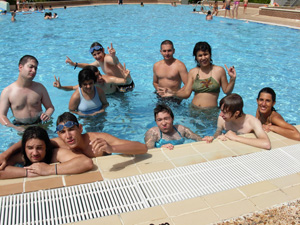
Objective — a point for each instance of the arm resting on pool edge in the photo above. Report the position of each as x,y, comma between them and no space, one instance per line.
70,163
151,137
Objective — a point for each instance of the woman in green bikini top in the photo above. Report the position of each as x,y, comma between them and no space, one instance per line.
205,79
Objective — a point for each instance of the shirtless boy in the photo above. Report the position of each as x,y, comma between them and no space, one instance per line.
91,144
109,64
169,72
25,97
235,122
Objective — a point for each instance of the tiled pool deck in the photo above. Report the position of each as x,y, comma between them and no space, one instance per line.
205,209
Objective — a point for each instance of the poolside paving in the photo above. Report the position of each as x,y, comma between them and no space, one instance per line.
205,209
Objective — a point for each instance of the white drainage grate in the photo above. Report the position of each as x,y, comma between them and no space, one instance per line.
87,201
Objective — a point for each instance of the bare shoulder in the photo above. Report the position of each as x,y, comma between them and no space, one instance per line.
179,63
9,88
153,130
218,70
158,63
252,120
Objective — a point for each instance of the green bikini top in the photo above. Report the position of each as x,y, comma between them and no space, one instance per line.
208,85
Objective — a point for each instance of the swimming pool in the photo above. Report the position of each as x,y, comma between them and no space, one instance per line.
136,33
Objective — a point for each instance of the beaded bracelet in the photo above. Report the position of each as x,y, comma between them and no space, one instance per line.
76,64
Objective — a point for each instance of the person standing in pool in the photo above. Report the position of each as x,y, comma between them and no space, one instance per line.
106,82
272,120
109,64
206,80
234,121
170,72
36,154
166,135
25,97
87,100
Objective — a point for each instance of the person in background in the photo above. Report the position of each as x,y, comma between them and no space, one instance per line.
245,6
166,134
209,16
37,153
272,120
25,98
235,9
216,8
13,16
234,121
227,7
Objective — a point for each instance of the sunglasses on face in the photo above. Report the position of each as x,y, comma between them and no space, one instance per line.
95,48
68,124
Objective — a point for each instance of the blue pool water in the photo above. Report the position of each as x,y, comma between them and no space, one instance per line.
263,55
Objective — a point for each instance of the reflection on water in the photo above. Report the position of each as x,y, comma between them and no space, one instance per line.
204,119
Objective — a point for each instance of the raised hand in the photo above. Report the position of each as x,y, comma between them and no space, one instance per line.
231,72
56,83
111,50
69,61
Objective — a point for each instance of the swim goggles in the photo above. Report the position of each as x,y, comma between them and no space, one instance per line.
95,48
68,124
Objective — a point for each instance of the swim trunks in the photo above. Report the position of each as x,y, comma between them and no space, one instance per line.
89,106
209,85
245,5
168,99
28,122
125,88
227,7
162,142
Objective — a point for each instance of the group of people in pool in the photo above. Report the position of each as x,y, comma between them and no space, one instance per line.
73,150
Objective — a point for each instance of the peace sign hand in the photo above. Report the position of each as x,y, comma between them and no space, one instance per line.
56,83
111,50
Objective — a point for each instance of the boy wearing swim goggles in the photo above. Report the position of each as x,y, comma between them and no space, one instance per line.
91,144
109,64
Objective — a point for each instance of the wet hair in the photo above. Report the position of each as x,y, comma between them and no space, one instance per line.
202,46
36,132
65,117
26,58
92,68
232,103
86,74
163,108
270,91
167,42
209,12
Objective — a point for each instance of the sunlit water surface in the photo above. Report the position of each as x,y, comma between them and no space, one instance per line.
263,55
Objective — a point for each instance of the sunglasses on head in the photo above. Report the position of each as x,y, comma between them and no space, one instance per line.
68,124
95,48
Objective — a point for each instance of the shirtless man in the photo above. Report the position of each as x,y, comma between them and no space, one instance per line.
25,97
106,82
91,144
235,122
109,64
166,135
169,72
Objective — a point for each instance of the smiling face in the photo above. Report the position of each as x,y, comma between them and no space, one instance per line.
164,122
88,86
167,51
71,136
29,69
203,58
99,55
35,150
265,103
